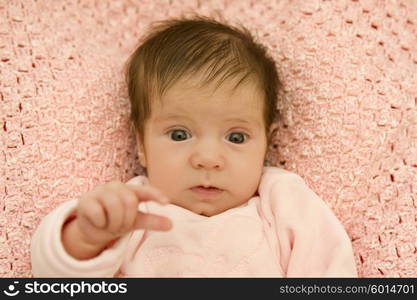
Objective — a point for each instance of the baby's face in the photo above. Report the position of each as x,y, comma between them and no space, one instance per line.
205,148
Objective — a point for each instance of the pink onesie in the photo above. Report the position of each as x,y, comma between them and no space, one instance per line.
286,231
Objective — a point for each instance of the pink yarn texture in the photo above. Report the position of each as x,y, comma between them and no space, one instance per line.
349,110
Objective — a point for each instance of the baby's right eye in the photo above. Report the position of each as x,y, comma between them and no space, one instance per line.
179,135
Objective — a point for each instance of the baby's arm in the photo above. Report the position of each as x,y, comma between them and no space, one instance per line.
66,224
108,212
312,241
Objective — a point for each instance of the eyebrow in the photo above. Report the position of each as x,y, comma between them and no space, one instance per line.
172,116
238,120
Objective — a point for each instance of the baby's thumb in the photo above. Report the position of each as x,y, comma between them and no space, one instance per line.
152,222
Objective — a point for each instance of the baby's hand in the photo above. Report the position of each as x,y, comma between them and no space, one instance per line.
108,212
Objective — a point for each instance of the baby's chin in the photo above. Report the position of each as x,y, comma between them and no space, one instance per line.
208,214
209,207
208,211
202,209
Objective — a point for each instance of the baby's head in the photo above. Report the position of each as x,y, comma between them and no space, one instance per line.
203,100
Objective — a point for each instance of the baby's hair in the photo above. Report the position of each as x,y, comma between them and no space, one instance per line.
182,47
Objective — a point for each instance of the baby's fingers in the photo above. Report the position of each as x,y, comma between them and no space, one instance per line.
152,222
147,193
93,212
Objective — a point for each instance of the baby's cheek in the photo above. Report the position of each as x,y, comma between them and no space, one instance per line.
247,186
250,179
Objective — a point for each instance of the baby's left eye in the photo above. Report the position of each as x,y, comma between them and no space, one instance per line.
236,137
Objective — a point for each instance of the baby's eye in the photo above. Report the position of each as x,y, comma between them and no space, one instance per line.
236,137
179,135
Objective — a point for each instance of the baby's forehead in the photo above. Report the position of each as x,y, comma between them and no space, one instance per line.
196,86
210,102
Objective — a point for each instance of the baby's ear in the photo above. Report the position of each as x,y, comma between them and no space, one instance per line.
141,151
272,129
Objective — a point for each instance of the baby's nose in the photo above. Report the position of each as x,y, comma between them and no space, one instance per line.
210,158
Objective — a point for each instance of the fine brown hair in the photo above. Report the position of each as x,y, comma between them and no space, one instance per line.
181,47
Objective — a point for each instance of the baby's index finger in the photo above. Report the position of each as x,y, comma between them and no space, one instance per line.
148,193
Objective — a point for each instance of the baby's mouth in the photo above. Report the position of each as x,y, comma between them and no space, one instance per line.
206,190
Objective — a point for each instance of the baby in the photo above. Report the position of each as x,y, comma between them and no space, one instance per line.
203,97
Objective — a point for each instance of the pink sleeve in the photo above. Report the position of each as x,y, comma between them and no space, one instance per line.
49,258
311,240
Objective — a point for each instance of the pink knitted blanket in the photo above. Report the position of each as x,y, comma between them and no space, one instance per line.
349,106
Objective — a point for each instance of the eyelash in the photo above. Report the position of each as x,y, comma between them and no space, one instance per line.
188,135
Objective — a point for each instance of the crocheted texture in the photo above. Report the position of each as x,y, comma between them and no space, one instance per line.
348,126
